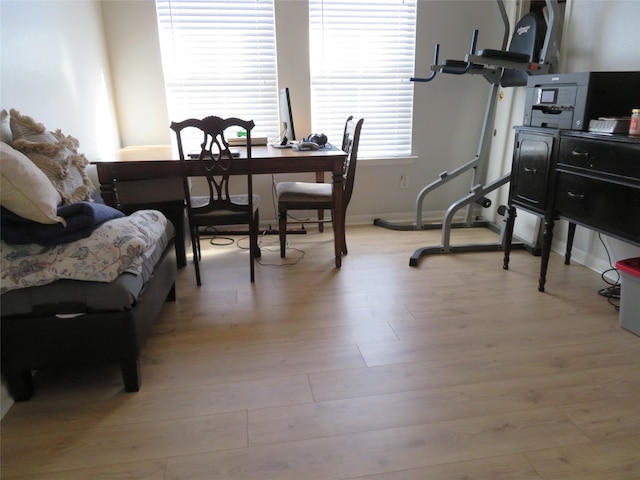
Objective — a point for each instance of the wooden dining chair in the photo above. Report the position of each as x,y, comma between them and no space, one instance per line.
319,196
213,161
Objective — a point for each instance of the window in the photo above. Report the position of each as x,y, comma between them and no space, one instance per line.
362,56
219,58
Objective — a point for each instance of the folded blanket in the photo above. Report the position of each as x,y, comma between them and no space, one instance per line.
117,246
82,218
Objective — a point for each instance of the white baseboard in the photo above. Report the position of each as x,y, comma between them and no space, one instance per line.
406,218
581,257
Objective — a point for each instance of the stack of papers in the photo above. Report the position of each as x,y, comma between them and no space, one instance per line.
610,125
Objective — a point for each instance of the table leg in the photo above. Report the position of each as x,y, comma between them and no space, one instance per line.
320,179
508,235
570,235
546,252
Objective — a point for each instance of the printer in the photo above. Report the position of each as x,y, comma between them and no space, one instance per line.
569,100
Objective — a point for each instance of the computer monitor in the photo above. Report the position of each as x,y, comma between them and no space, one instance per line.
286,116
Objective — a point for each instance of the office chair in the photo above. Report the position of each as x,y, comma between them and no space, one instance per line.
319,196
215,163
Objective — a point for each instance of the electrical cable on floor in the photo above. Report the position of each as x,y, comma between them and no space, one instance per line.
275,247
216,239
612,292
222,241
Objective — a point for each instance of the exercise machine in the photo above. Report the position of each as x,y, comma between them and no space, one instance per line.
533,51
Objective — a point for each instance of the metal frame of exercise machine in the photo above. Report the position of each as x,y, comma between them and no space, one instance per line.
491,65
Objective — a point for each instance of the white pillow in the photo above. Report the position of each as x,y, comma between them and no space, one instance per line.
25,189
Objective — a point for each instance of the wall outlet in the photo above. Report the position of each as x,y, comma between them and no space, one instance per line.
404,181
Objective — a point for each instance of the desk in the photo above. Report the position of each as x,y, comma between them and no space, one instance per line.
266,160
586,178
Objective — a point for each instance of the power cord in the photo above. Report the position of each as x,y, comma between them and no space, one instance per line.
612,292
216,239
274,246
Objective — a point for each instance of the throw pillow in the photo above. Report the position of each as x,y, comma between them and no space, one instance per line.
56,155
25,189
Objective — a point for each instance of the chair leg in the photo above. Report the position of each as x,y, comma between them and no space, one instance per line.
344,242
195,246
196,234
254,250
252,266
257,253
282,231
344,234
320,179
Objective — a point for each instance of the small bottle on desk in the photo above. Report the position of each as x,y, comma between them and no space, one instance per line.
634,125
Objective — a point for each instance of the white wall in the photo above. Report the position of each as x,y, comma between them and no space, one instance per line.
55,69
136,64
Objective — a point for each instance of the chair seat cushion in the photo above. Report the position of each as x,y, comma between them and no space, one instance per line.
222,217
304,192
502,55
200,201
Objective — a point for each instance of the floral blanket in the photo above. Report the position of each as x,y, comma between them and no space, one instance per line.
115,247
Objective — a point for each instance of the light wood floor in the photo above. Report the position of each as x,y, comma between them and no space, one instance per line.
456,369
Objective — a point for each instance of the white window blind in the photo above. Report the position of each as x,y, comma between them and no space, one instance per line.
362,56
219,58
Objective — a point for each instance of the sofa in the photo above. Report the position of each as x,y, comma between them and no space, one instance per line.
82,283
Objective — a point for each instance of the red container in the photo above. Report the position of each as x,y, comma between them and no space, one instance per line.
630,294
630,266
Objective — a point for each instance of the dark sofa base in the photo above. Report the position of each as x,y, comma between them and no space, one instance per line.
35,343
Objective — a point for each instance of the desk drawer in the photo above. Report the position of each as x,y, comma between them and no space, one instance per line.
608,157
604,206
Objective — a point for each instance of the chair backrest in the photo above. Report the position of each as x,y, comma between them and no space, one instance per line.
528,38
350,143
213,161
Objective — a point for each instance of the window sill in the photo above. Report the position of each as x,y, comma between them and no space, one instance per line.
389,161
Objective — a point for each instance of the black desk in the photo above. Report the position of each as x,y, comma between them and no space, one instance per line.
589,179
